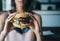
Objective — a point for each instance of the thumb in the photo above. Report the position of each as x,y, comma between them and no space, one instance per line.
32,28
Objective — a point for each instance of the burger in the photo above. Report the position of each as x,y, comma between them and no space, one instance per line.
21,20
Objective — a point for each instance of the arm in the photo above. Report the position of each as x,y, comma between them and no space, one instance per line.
36,26
39,34
2,22
7,27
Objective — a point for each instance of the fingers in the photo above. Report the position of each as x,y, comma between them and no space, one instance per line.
10,17
31,27
35,21
32,17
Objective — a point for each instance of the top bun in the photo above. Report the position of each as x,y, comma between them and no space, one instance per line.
21,15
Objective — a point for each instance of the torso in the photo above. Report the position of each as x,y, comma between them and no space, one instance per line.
16,36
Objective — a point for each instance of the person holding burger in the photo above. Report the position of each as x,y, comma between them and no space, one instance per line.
21,22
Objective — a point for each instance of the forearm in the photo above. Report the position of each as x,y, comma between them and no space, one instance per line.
38,36
2,35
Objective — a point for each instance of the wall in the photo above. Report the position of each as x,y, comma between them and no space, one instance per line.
6,4
43,0
45,6
49,0
50,18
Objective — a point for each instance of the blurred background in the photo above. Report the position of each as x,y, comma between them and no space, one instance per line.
50,13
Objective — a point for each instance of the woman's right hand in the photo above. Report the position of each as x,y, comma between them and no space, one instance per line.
8,24
7,27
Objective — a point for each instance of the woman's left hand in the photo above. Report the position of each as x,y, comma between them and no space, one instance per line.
34,25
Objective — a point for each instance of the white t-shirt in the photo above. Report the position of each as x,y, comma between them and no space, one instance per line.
15,36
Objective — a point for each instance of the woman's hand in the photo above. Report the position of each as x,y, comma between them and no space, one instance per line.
34,25
7,27
35,28
8,24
